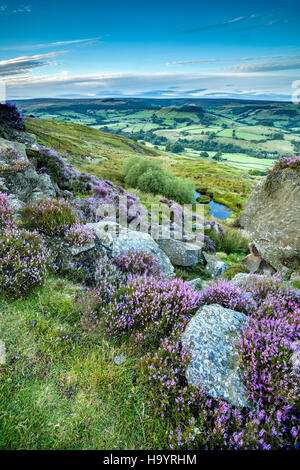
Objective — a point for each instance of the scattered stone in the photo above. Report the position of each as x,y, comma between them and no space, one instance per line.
196,283
214,265
211,336
14,359
118,360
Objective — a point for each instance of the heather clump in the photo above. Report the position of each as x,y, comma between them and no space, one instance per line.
270,376
137,262
49,216
228,295
79,235
287,162
266,348
24,261
147,308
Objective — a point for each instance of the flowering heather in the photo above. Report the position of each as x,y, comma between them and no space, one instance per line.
266,347
50,216
148,308
228,295
79,235
137,262
6,212
101,191
287,162
24,261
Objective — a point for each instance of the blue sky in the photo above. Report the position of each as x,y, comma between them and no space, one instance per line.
239,49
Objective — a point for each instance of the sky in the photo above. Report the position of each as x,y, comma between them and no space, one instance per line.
158,49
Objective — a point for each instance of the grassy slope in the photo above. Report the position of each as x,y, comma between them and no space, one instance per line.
88,148
104,154
56,395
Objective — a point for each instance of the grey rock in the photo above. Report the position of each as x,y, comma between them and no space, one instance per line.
15,146
26,185
272,215
116,240
211,336
214,265
180,253
196,283
118,360
63,253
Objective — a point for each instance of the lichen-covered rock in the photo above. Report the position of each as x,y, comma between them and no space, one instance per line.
255,264
179,252
19,178
214,266
211,336
63,253
272,217
117,240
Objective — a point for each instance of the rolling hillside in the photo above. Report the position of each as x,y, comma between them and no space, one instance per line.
103,154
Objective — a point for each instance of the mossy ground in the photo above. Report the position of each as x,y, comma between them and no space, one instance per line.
61,395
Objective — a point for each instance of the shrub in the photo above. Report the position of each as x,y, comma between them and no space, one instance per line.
148,176
101,191
266,347
6,212
180,190
50,216
137,262
153,181
79,235
24,261
135,167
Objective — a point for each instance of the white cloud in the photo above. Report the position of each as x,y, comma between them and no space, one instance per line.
287,63
72,42
154,84
25,64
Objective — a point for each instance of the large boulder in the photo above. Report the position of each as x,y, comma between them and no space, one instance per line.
211,336
272,214
116,240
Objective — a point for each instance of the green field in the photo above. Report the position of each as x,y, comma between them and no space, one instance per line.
249,128
103,154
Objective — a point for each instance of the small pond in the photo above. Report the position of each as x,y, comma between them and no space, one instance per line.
220,211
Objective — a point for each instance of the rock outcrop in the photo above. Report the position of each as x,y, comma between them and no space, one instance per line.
211,336
19,178
116,240
272,216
